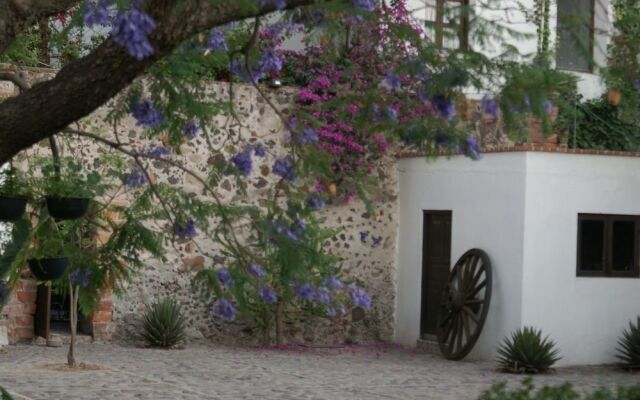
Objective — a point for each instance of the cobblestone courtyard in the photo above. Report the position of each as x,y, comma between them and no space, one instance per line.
199,372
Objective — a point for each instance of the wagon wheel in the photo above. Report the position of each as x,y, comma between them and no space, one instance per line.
465,304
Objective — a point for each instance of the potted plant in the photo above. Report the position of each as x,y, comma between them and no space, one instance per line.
48,260
13,201
68,191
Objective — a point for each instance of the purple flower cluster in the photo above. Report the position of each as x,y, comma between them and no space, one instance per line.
225,278
363,236
283,167
304,291
238,68
256,271
80,278
339,309
4,291
270,62
489,106
279,4
217,41
393,80
548,106
224,309
322,296
185,231
243,162
135,178
146,114
96,13
472,148
131,29
308,136
156,151
267,295
259,151
367,5
315,202
375,241
333,282
190,130
360,298
445,106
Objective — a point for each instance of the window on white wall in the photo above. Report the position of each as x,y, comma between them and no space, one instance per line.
445,21
608,245
575,30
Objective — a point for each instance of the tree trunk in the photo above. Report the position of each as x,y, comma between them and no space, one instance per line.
279,322
266,325
73,316
45,39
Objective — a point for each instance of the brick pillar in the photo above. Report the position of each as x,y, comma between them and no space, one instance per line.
101,320
18,313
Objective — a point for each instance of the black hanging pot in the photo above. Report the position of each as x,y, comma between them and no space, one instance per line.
67,207
12,208
48,269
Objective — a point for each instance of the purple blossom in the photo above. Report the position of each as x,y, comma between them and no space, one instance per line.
225,278
392,114
333,282
4,291
96,13
472,148
258,150
256,271
308,136
315,202
375,241
489,106
135,178
393,80
363,236
80,278
548,106
444,106
331,312
157,151
360,298
299,225
322,296
217,41
305,291
243,162
279,4
284,167
367,5
190,130
224,309
146,114
270,62
131,29
239,69
185,231
267,295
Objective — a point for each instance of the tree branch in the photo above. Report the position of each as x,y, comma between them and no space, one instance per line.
86,84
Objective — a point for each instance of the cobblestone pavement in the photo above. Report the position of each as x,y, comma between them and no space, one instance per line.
211,372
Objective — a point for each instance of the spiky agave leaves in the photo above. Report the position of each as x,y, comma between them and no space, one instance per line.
164,324
629,346
526,351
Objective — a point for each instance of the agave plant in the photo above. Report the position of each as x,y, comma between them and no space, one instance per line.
629,346
164,324
526,351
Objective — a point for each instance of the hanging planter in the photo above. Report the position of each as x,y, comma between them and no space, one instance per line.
67,207
48,269
12,208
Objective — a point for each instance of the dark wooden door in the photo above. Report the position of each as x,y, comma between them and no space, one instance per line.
43,311
436,262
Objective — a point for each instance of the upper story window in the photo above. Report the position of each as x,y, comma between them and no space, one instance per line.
608,245
575,29
446,21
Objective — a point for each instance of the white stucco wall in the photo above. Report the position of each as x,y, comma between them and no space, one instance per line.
487,202
584,315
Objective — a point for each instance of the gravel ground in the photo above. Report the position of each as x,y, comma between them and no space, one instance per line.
208,372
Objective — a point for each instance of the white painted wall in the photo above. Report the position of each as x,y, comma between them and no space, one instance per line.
508,15
584,315
487,202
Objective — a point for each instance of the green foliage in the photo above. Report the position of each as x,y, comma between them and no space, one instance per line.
25,50
4,395
561,392
72,180
597,124
164,324
12,183
629,346
527,352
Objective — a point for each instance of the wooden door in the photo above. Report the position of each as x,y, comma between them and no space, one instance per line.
43,311
436,262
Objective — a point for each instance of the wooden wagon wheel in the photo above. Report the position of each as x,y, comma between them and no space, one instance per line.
465,304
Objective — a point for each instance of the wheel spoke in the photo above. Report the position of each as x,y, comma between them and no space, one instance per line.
471,314
460,332
467,329
477,290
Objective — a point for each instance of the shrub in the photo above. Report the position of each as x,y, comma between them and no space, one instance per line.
527,352
629,346
4,395
565,392
164,324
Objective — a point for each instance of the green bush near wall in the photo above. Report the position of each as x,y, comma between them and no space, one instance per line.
561,392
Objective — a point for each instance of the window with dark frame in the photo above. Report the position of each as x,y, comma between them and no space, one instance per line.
447,22
608,245
575,29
